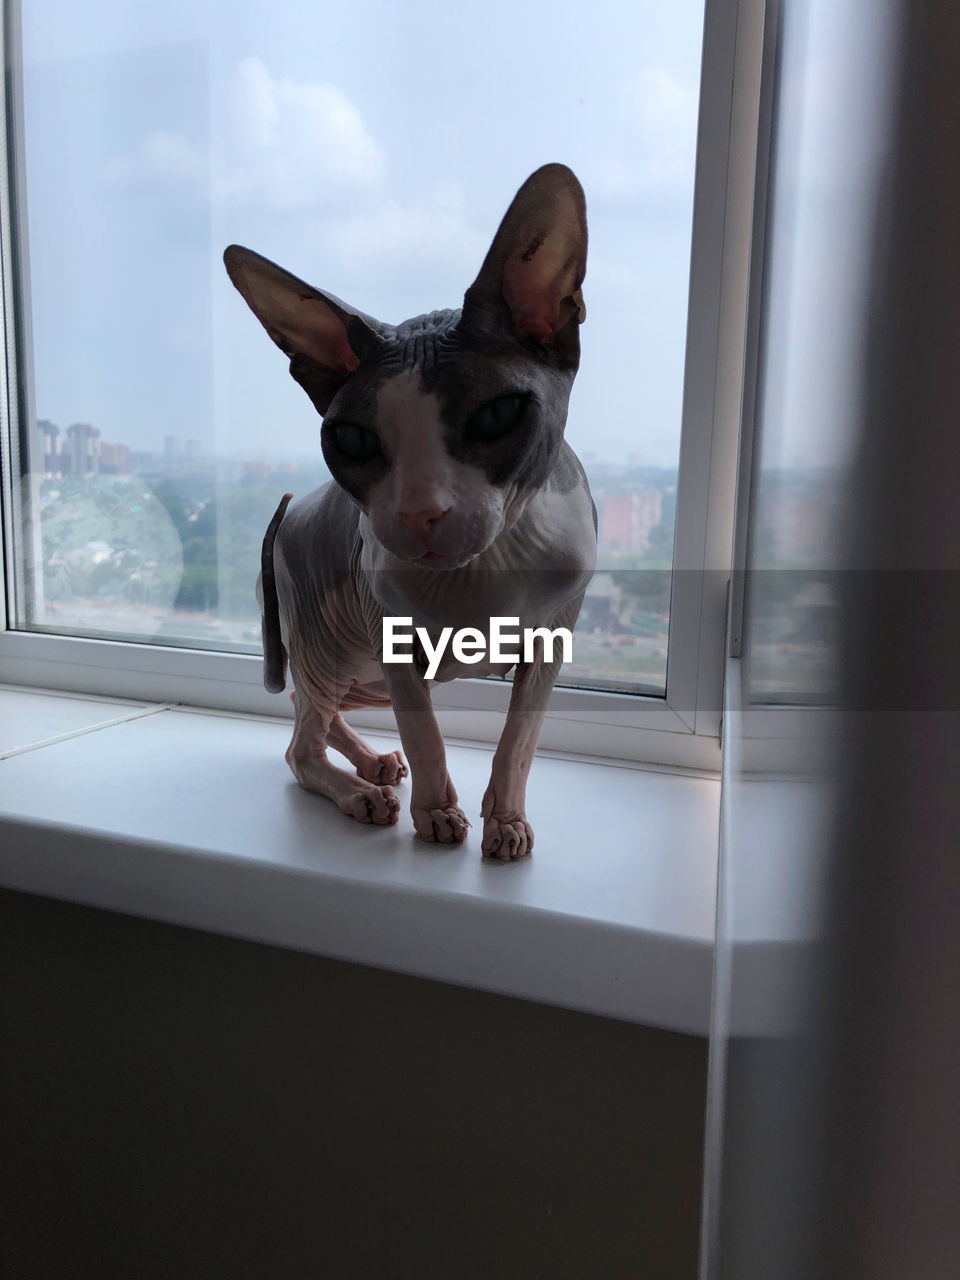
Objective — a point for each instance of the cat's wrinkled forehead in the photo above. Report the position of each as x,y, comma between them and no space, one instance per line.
453,371
423,343
415,347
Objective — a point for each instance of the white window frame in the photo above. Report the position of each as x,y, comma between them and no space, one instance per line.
680,729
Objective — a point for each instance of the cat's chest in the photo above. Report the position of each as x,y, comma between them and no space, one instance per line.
508,580
467,617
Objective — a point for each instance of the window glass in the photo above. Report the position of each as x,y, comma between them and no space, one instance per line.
822,188
371,149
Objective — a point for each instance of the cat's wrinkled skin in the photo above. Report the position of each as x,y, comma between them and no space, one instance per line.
455,500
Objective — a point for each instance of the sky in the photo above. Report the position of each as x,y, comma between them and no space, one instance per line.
370,148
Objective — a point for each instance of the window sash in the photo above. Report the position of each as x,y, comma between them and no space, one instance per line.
681,727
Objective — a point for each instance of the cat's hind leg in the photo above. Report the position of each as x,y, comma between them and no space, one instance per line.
356,796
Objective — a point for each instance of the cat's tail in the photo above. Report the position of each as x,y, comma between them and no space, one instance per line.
274,654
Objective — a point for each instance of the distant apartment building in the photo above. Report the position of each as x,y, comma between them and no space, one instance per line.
628,519
83,449
48,459
143,460
114,459
171,449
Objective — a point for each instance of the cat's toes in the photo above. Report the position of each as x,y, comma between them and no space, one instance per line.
506,837
378,805
385,770
444,825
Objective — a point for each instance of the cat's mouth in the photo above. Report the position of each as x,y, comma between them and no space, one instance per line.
439,560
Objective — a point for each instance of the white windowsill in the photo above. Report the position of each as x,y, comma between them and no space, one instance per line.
192,817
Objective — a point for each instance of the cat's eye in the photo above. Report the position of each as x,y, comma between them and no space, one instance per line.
354,442
495,418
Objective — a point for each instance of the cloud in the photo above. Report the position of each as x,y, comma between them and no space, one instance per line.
283,145
278,146
433,233
162,159
275,145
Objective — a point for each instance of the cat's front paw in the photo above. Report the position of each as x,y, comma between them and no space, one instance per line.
446,824
366,803
506,836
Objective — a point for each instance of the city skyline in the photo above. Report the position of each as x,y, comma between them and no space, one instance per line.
174,447
628,511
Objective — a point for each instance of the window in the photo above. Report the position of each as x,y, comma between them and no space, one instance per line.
821,192
371,150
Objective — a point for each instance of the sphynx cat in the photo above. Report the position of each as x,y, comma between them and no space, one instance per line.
455,499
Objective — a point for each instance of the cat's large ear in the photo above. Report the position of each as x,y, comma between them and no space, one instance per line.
529,284
324,338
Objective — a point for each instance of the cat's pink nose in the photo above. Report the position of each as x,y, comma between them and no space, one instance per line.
423,523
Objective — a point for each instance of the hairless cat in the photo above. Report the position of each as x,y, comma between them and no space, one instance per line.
455,500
